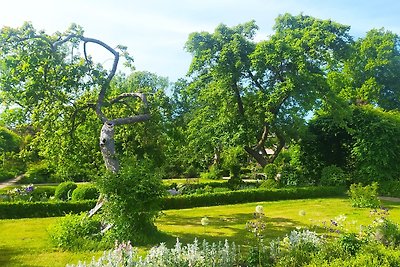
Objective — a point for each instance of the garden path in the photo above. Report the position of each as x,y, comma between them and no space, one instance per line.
11,181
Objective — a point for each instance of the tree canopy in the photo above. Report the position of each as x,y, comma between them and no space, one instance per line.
257,94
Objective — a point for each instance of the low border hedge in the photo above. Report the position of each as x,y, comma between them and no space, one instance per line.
15,210
250,195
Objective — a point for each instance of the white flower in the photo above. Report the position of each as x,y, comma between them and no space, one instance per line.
205,221
260,209
341,218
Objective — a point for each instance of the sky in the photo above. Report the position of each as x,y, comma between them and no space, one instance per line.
155,31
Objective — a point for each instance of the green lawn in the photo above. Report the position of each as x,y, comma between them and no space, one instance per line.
25,242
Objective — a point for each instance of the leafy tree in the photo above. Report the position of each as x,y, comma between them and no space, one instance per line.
365,145
257,95
370,75
70,99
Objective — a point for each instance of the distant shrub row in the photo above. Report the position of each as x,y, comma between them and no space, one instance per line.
14,210
49,209
250,195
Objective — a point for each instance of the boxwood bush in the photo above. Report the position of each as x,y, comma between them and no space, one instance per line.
85,192
64,190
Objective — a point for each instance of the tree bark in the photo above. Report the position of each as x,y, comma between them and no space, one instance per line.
257,156
107,147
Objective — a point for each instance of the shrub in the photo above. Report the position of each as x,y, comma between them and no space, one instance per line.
64,190
37,173
270,171
269,183
73,232
350,243
390,188
386,232
333,175
214,173
6,175
133,201
249,195
16,210
194,254
364,196
85,192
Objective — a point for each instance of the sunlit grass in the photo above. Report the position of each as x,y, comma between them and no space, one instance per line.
228,222
25,242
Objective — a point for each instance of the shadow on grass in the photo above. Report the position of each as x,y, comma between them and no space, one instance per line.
8,257
221,227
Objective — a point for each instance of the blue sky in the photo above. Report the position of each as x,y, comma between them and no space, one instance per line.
155,31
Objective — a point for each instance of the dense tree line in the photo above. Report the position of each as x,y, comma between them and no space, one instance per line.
308,97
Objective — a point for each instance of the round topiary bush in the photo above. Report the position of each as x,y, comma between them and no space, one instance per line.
85,192
64,190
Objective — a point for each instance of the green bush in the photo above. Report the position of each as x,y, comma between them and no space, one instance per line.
214,173
333,175
38,173
6,175
16,210
364,196
64,190
350,243
85,192
270,171
269,183
389,188
76,232
134,196
249,195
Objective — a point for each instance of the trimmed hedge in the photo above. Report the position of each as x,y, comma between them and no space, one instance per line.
14,210
251,195
85,192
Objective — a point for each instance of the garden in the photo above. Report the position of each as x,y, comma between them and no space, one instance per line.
268,153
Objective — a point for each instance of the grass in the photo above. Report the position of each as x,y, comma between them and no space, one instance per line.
25,242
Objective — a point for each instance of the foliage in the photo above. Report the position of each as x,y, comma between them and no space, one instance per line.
38,172
270,171
214,173
369,74
23,193
364,196
64,190
16,210
376,149
249,195
296,249
269,184
6,175
350,243
85,192
326,142
333,175
11,164
252,94
195,254
133,201
389,188
76,232
363,144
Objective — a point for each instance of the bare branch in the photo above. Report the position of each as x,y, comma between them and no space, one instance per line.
129,120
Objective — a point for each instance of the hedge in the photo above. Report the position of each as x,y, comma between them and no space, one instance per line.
14,210
250,195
